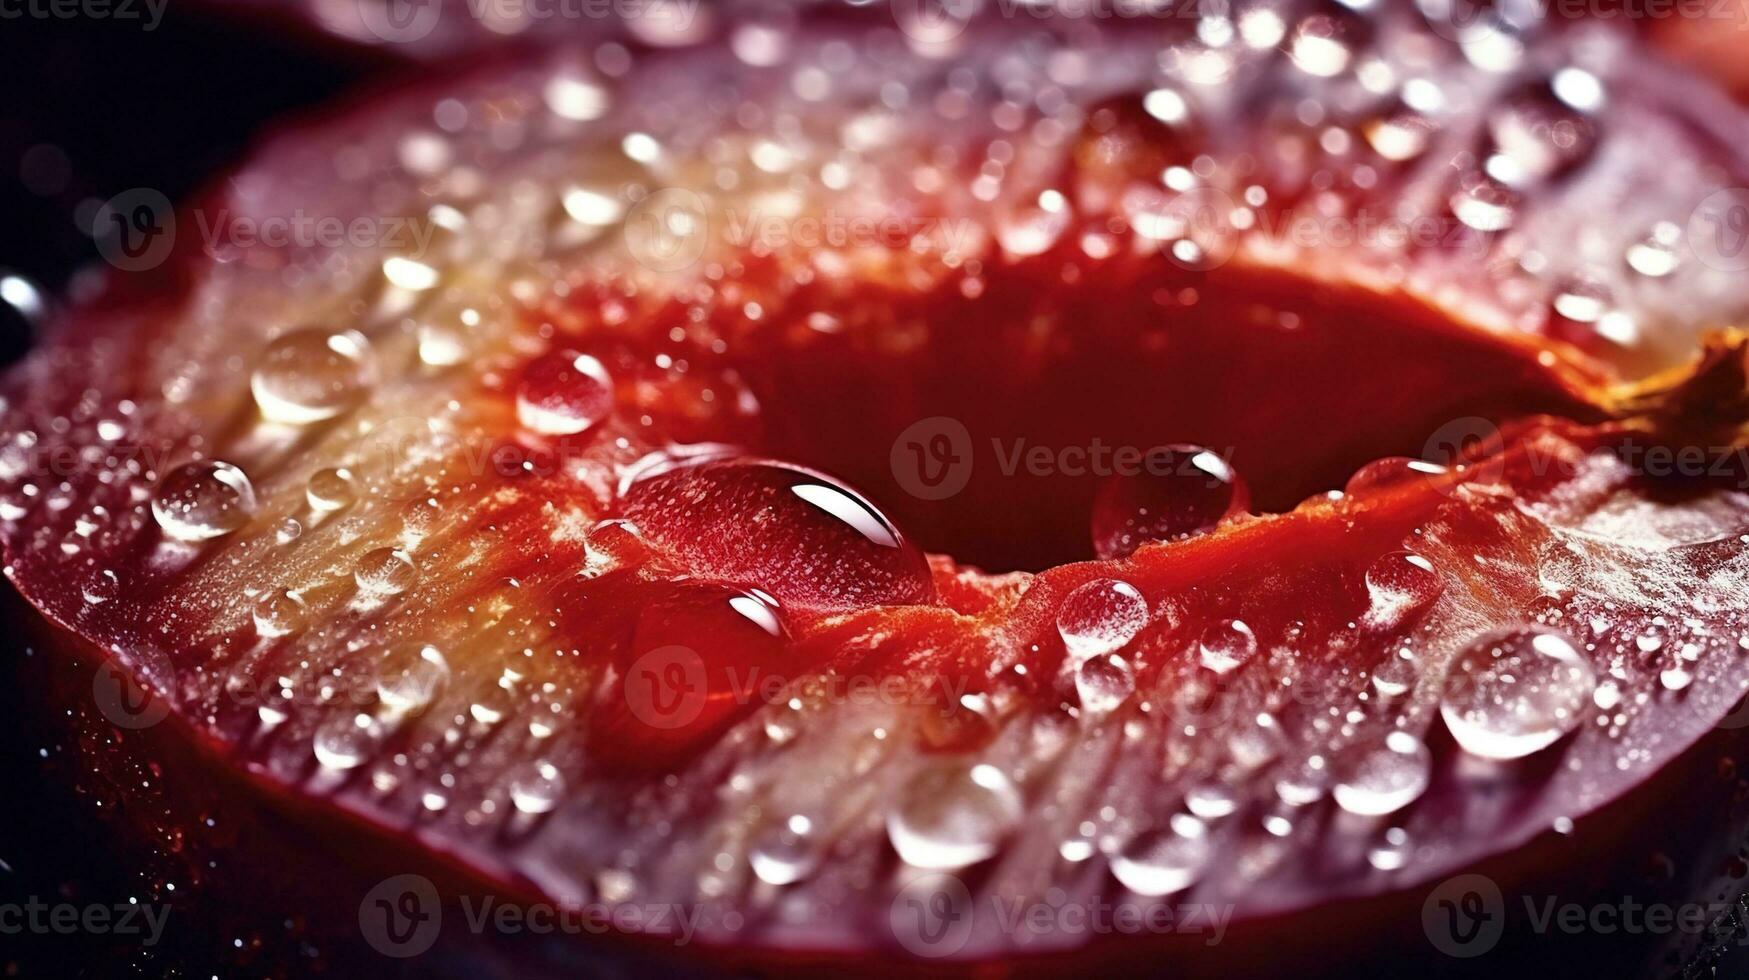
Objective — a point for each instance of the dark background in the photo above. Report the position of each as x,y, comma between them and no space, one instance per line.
90,108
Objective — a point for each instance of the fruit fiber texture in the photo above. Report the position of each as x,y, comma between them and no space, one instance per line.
647,516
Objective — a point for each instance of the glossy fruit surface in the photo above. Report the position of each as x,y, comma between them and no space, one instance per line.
703,516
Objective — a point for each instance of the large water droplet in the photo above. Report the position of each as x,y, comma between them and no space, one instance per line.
385,572
564,393
785,851
203,500
950,816
1400,134
1484,202
278,613
1100,617
1225,647
1323,44
348,739
1161,862
1658,254
330,488
1515,691
410,677
1383,779
799,535
1103,683
312,374
1400,583
1542,135
537,787
1178,491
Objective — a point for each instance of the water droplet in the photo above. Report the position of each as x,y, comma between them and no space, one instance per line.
278,613
1401,134
101,588
203,500
537,787
385,572
1676,677
1657,255
312,374
1034,228
442,344
1178,491
1225,647
1104,682
1400,583
1484,202
330,488
1541,135
346,740
1323,44
1304,783
1161,862
1389,471
1392,852
1211,801
1384,779
1516,691
785,851
410,677
1396,674
1100,617
574,98
950,816
801,536
564,393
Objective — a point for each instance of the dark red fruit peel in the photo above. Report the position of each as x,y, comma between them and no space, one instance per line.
469,533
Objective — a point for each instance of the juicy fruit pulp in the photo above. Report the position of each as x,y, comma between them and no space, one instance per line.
601,569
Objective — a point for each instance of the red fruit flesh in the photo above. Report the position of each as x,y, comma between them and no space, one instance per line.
546,585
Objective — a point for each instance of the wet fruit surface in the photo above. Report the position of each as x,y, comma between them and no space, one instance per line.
649,536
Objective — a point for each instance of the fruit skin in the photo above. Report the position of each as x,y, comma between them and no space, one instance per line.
159,780
1122,955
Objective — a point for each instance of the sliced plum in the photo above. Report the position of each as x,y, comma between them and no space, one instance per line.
719,502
